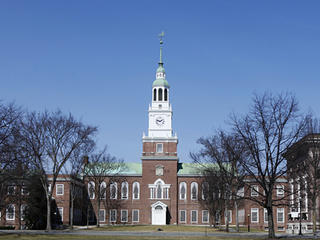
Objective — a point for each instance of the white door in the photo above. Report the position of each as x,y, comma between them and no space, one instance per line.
158,215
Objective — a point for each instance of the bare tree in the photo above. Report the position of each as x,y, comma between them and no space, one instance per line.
101,171
74,171
267,131
222,155
50,139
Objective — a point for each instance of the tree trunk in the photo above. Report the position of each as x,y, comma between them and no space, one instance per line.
48,228
314,217
226,219
98,210
88,211
271,233
237,217
71,210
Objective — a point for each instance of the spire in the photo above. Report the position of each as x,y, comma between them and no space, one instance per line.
161,35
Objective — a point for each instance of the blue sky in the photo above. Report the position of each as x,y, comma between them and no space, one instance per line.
97,60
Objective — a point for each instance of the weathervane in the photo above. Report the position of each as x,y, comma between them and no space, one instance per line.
161,35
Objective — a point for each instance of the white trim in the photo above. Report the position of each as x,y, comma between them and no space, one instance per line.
62,189
185,216
257,211
265,211
7,213
115,215
280,190
91,186
138,186
254,190
114,185
133,215
104,215
121,211
197,190
185,187
122,194
207,216
159,147
280,210
196,216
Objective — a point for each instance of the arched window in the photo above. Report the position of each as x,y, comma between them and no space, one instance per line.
160,94
183,191
155,95
124,190
136,190
165,94
91,190
205,190
103,188
113,191
159,190
194,191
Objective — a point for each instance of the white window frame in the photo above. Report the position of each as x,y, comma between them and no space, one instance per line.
103,185
122,193
196,211
252,211
265,215
280,210
115,215
116,192
159,148
122,211
254,191
203,211
133,210
185,187
138,186
229,216
62,189
280,190
7,213
91,184
60,210
197,191
185,216
104,215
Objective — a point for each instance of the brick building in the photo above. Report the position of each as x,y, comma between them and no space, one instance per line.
159,190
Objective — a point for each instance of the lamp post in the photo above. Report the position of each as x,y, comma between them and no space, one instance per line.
300,216
248,222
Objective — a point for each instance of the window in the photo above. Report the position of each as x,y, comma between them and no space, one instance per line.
11,190
254,191
205,216
160,94
154,94
102,215
103,190
280,190
60,212
159,190
205,190
24,191
113,215
240,192
254,215
159,148
159,170
183,191
135,215
136,190
124,190
124,215
194,191
23,211
59,189
280,215
91,190
241,217
265,215
165,94
113,191
182,214
194,216
49,188
229,216
10,212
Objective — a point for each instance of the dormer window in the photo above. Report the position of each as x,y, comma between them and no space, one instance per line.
159,148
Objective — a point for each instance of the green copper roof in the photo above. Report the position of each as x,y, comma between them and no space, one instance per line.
160,68
160,82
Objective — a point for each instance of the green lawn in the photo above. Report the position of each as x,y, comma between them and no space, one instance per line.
79,237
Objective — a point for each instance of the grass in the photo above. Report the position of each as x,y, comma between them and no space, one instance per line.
79,237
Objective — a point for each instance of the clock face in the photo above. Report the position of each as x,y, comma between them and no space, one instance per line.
159,121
